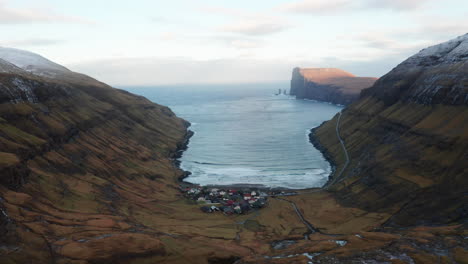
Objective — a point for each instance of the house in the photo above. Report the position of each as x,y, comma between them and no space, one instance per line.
237,209
247,196
245,207
253,193
206,209
228,210
201,199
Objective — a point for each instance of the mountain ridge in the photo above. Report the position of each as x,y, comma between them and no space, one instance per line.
407,140
434,75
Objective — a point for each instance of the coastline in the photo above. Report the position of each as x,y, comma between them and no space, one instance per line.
183,146
326,154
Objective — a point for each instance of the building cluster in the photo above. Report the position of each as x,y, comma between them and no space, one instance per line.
227,201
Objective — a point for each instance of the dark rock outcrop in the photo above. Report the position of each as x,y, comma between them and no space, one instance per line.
328,85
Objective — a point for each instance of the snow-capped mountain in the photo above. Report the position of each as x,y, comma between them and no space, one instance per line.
451,51
435,75
7,67
30,62
21,62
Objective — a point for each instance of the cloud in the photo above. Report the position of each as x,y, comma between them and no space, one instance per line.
246,44
246,22
441,26
162,71
218,10
254,27
336,6
158,19
168,36
384,42
376,67
31,42
317,6
241,43
154,71
397,4
10,15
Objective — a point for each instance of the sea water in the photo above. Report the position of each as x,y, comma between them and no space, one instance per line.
245,134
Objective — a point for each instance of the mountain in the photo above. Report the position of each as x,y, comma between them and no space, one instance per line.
31,62
328,85
88,175
407,140
79,161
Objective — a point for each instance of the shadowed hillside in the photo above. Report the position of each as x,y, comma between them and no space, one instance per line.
407,138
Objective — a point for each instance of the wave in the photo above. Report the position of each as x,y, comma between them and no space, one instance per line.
209,163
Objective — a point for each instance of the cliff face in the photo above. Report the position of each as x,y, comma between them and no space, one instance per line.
407,138
328,85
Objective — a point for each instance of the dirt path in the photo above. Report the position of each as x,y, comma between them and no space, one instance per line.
338,176
309,226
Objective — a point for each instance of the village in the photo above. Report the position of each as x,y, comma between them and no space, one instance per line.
228,201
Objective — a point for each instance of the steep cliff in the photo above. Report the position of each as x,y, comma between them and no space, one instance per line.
328,85
407,139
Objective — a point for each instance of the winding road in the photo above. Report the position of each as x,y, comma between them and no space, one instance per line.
338,176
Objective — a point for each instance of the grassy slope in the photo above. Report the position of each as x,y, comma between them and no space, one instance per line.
405,154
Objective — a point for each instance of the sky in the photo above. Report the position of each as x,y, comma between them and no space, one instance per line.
153,42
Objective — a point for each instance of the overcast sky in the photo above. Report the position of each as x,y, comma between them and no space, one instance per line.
146,42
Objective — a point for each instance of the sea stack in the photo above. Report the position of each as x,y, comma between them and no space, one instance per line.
328,85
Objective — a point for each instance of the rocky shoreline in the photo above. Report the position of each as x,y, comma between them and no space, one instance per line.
326,154
183,146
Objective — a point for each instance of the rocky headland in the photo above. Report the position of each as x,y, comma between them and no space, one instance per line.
328,85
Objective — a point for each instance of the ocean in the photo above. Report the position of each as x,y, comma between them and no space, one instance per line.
245,134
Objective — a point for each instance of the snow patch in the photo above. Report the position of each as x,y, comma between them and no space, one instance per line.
31,62
26,89
20,91
451,51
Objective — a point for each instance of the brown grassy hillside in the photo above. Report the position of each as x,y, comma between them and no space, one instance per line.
407,138
87,176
